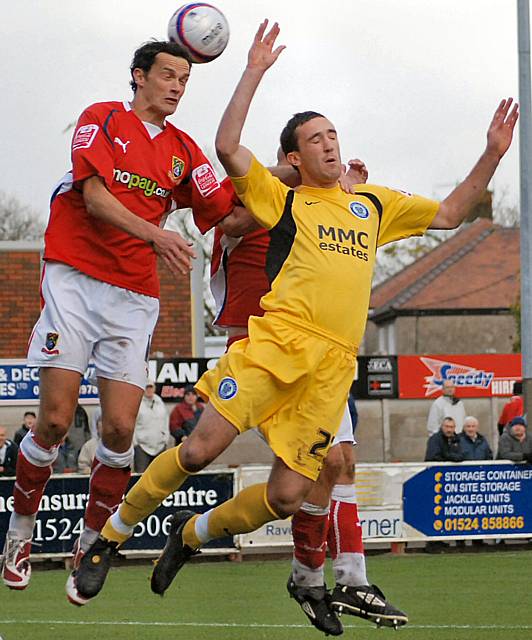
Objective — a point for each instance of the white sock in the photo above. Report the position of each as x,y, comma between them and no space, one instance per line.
22,526
350,569
201,527
119,525
305,576
87,538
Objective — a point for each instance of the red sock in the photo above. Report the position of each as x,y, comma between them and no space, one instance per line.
107,488
29,485
345,532
310,538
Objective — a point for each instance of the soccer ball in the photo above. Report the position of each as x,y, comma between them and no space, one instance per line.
201,29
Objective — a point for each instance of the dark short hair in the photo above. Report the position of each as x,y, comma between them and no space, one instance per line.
189,388
288,134
29,413
144,56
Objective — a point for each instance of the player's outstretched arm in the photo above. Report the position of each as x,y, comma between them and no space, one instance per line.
175,251
235,158
457,205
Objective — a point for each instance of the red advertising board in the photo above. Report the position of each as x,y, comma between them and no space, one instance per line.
475,376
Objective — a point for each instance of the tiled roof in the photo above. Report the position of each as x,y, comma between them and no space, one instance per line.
478,268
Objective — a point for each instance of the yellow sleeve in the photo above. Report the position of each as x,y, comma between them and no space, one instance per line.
403,214
262,194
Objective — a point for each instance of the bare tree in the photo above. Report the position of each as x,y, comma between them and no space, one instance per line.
18,221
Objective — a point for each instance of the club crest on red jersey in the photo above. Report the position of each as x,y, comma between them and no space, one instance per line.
50,345
178,166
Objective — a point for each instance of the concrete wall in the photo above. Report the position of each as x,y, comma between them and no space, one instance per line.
447,334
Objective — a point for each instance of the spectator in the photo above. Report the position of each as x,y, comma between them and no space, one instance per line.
151,429
447,405
28,422
79,432
8,455
88,450
512,409
444,445
185,415
473,444
66,458
515,443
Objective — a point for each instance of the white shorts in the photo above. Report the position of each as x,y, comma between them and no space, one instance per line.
86,319
345,430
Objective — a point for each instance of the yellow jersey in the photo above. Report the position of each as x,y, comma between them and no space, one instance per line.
322,247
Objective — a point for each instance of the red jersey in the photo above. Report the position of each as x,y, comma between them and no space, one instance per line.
238,276
512,409
110,141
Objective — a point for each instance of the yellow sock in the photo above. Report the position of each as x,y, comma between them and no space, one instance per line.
247,511
164,475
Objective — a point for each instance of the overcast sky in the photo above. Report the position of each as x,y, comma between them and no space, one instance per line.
411,85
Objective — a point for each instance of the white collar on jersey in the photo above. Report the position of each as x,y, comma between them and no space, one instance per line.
152,129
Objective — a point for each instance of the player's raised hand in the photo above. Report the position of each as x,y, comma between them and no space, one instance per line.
356,174
262,54
502,126
175,251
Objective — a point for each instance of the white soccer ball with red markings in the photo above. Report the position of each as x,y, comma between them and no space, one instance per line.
201,29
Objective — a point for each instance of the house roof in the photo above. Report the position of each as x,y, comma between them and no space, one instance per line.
478,268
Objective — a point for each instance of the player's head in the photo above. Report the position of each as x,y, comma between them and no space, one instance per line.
470,427
448,388
310,144
448,427
29,419
159,74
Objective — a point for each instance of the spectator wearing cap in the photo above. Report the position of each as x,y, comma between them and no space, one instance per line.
8,454
151,429
512,409
185,415
515,443
473,444
28,422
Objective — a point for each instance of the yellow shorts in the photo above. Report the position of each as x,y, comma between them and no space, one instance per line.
291,383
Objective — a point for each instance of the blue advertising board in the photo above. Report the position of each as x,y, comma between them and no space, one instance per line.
470,500
60,518
19,384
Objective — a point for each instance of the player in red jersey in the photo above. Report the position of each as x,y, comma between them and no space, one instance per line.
100,287
329,516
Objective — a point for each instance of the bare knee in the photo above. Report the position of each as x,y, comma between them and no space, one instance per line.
334,462
193,455
117,432
53,425
285,501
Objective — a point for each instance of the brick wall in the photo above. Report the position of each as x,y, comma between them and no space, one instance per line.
19,300
173,332
20,304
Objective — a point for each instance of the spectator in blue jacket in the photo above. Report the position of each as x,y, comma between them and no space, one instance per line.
473,444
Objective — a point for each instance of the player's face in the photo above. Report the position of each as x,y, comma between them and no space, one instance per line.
164,84
318,156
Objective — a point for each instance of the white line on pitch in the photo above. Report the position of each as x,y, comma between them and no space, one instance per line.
256,625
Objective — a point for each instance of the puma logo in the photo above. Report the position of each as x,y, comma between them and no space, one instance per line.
122,144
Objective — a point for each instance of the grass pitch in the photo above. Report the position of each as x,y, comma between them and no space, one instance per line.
483,596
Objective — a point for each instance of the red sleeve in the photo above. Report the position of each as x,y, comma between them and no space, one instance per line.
92,147
504,418
176,419
211,199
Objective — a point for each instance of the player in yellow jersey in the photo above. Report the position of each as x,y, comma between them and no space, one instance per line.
291,376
